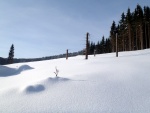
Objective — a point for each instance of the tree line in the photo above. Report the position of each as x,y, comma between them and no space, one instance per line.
10,59
133,31
103,46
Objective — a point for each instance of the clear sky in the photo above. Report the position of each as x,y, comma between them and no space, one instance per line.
39,28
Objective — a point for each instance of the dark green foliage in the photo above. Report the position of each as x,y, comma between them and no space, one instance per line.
103,46
133,32
146,26
92,48
11,55
112,36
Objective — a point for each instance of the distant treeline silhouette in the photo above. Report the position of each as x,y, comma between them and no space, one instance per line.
4,61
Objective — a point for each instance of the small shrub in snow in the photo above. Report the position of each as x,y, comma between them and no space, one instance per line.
56,71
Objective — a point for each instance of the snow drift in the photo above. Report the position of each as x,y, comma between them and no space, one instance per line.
7,71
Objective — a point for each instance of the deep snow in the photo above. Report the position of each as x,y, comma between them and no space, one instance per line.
102,84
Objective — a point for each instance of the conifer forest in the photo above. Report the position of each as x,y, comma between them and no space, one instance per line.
133,32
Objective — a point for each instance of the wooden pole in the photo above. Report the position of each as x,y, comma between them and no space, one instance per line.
94,52
87,46
116,44
67,54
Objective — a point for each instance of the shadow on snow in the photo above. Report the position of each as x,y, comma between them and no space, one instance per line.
39,87
7,71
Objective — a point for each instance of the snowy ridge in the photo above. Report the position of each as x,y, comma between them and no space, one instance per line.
102,84
6,71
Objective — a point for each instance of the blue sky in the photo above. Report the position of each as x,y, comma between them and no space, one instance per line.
39,28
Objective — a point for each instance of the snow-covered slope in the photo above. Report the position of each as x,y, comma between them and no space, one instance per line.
102,84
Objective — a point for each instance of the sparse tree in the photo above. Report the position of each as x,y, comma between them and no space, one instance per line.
11,55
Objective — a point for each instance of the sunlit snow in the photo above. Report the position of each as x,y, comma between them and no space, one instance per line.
101,84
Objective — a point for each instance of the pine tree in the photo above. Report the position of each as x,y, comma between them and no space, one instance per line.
140,25
146,26
122,32
11,54
135,29
98,47
109,46
103,44
128,21
91,48
112,36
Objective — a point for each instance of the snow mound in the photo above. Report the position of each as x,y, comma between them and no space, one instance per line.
34,88
42,85
8,71
23,68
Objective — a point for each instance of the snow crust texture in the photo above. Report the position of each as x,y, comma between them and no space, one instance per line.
101,84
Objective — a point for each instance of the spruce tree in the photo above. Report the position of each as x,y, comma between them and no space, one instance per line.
128,24
146,26
11,55
122,23
112,36
140,25
102,45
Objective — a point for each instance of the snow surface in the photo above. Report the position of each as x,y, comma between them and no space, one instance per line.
102,84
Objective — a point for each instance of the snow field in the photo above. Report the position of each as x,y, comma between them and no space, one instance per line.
102,84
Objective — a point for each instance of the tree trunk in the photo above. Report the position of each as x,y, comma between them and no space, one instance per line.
122,41
116,45
148,34
136,38
87,46
67,54
145,35
129,36
113,43
141,36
